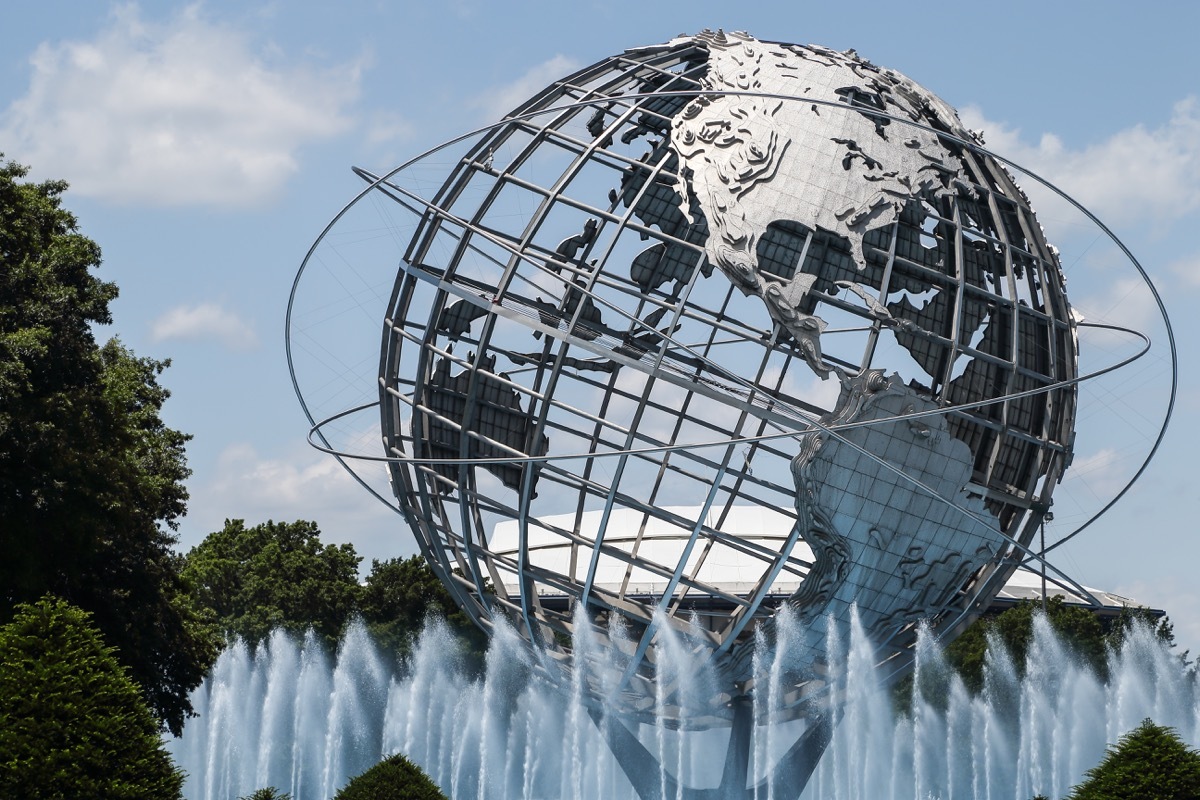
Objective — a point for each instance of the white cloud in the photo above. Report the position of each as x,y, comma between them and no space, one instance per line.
1126,302
180,113
1137,174
1100,472
502,99
387,127
303,484
283,485
1188,270
204,321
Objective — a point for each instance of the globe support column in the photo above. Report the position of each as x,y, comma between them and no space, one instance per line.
785,781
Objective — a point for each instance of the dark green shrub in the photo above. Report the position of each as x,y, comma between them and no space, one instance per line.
1150,762
267,793
72,723
394,778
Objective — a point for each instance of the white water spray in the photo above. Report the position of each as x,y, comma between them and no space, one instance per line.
290,717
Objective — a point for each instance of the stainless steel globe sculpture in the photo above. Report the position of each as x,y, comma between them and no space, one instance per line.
715,333
759,343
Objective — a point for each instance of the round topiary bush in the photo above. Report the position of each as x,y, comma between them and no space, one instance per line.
393,778
1150,762
72,723
267,793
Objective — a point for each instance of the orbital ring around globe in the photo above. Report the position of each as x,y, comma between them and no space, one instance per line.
378,182
498,456
815,424
1062,580
316,430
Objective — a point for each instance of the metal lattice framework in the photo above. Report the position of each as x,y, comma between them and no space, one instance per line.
712,331
581,411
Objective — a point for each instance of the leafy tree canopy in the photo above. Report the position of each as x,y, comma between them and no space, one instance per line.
1082,631
1078,627
1086,635
72,723
1150,762
91,480
400,594
252,580
393,778
274,575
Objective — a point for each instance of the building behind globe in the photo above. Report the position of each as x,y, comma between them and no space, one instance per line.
717,328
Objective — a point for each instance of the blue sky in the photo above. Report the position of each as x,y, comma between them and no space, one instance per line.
207,145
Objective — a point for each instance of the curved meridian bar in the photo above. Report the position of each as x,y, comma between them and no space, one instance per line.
815,423
473,229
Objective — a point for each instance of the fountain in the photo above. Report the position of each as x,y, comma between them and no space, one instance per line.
286,715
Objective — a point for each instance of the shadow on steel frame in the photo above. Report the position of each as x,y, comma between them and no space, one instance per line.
787,778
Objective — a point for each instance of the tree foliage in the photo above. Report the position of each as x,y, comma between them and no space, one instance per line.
1078,627
393,778
400,595
1150,762
1162,628
91,480
252,580
1086,636
72,723
274,575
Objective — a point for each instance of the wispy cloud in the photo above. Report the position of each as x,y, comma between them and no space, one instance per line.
500,100
184,112
205,321
1125,301
387,127
303,484
1187,269
1100,471
1139,174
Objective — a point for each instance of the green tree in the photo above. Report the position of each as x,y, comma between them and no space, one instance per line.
393,778
274,575
72,723
1086,636
400,594
267,793
91,480
1078,627
1150,762
1162,628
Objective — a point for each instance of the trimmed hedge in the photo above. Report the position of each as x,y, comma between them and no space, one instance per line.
1150,762
393,778
72,723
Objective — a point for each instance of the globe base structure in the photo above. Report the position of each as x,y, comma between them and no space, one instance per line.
786,779
713,338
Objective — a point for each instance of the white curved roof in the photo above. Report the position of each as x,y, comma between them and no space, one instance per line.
733,571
